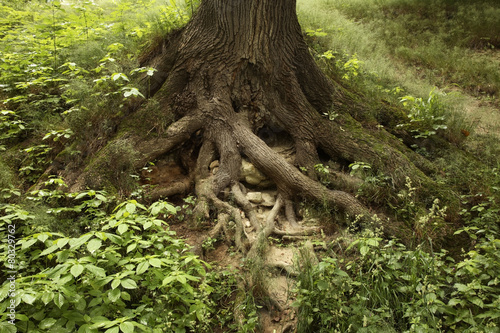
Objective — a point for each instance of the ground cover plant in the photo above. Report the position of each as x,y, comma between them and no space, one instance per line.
114,132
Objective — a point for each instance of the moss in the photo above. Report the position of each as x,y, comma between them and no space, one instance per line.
112,167
7,177
154,120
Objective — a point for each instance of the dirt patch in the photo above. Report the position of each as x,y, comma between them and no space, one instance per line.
486,116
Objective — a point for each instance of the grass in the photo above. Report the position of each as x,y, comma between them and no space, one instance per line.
409,48
419,45
413,45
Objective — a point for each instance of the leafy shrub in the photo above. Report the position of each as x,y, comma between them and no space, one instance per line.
131,274
426,116
389,287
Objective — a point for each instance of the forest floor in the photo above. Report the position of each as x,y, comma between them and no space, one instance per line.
357,35
482,112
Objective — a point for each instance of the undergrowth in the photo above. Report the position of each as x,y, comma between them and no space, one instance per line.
384,286
91,261
123,270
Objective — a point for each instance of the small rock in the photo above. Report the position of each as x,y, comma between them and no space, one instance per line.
250,174
252,180
268,200
255,197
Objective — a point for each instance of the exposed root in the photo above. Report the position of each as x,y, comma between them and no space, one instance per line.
179,187
275,305
202,210
258,247
290,214
289,269
294,238
296,232
213,233
176,134
288,328
243,202
290,179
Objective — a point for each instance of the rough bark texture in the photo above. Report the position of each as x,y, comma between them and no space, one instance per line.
241,68
237,70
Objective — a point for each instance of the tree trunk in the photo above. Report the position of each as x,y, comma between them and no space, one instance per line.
241,67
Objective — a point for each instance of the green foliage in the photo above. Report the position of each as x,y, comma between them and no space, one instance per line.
130,274
11,126
34,162
389,287
343,65
359,168
315,33
485,212
250,319
64,63
427,117
439,39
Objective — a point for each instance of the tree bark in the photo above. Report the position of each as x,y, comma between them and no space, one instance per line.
241,66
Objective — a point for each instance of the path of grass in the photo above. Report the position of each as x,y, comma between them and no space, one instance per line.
399,46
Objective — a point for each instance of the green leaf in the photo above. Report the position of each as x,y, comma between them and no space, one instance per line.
171,209
87,328
62,256
132,92
115,329
62,242
47,297
22,317
81,304
125,296
142,267
127,327
95,301
181,279
59,300
130,207
115,283
322,285
168,280
75,243
155,262
28,298
117,76
27,244
4,291
49,250
364,250
43,237
73,316
122,228
94,245
114,238
47,323
131,247
114,295
6,327
76,270
129,284
477,301
97,271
